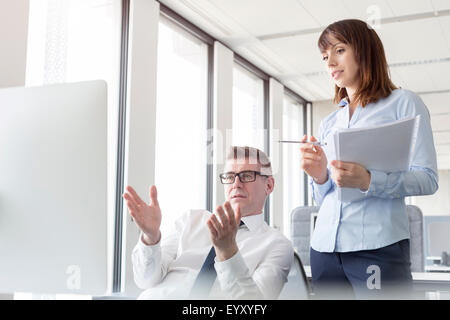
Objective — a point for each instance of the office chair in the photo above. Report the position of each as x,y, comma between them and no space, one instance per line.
303,273
416,241
297,286
300,230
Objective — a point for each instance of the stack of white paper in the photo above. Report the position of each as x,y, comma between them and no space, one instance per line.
388,148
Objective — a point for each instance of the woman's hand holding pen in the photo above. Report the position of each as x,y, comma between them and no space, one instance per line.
349,175
313,160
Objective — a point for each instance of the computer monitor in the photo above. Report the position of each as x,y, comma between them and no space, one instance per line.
436,240
53,182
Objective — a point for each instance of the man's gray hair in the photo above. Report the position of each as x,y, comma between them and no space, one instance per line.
252,155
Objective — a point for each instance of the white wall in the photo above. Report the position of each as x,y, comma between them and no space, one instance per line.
320,109
13,39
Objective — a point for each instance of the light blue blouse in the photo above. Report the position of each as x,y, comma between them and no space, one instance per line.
380,218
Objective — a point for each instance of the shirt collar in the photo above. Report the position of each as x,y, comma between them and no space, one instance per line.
343,102
253,222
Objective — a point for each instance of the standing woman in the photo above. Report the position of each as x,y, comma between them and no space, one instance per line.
361,248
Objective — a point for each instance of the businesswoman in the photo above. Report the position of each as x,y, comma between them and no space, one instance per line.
363,246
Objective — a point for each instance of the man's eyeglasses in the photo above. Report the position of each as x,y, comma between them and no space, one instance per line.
244,176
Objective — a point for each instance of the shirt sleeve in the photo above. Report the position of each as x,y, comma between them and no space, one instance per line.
319,191
422,177
150,263
267,280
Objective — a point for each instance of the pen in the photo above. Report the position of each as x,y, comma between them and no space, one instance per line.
315,143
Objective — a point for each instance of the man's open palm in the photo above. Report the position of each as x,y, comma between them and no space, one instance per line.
146,216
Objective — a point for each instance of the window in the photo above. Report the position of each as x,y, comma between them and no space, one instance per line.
248,109
79,40
181,118
294,178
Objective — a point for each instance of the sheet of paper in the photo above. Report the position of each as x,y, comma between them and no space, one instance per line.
388,148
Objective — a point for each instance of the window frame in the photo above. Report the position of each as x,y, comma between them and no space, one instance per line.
121,140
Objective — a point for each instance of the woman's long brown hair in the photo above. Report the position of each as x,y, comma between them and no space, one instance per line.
375,81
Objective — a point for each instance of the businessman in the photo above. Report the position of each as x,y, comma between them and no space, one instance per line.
229,254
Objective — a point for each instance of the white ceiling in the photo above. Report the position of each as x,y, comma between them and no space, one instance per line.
280,37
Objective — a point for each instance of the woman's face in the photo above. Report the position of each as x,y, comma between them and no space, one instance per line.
341,64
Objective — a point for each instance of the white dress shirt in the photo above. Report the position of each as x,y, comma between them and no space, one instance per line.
168,269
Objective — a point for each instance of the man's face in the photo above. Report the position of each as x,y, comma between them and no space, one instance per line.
250,196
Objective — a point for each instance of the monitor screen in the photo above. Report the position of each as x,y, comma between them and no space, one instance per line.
53,169
438,238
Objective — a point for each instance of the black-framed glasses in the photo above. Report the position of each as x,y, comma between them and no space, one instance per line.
244,176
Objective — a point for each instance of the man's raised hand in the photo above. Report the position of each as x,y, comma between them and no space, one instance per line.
146,216
223,230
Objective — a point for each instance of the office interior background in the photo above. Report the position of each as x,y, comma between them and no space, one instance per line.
246,72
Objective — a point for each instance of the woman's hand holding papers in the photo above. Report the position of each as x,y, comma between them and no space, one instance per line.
313,160
350,175
146,216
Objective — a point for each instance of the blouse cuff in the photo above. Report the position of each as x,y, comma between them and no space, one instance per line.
378,181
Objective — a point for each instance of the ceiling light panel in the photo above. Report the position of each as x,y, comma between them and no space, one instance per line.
367,9
406,7
413,40
440,4
327,11
267,16
300,51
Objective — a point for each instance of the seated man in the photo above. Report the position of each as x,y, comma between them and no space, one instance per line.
232,254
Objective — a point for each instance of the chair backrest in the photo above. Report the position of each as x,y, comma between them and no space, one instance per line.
416,241
300,231
301,224
297,286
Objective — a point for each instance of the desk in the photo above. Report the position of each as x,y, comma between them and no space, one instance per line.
437,268
422,281
431,281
